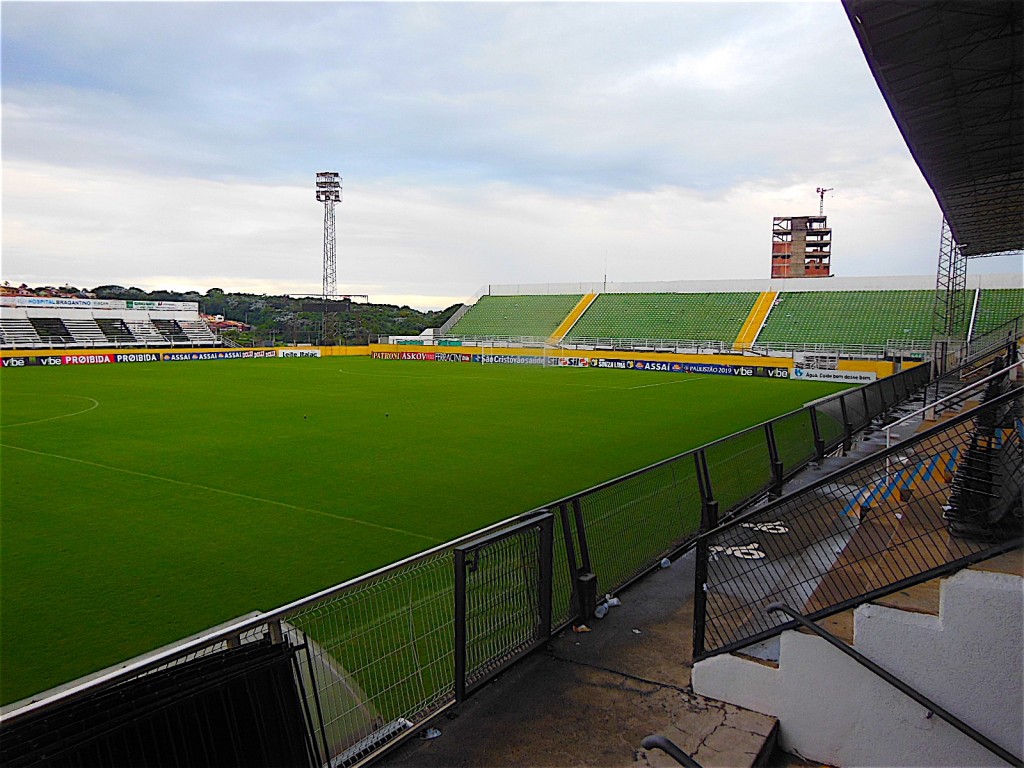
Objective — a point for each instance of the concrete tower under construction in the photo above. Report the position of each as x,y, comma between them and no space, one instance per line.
801,246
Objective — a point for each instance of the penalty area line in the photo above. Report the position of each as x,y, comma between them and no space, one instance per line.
223,492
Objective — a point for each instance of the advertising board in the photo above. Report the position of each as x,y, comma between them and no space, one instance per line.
845,377
510,359
233,354
298,353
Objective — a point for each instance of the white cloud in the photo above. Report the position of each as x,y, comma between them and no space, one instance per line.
90,227
479,143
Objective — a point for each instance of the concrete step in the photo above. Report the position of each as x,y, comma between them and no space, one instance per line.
843,715
720,735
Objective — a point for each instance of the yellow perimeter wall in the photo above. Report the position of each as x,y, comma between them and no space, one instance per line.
344,351
57,352
882,368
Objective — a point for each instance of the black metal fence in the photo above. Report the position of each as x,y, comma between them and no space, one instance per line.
502,600
375,659
238,706
949,496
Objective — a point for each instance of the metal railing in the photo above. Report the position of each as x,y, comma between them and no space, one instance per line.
913,348
71,346
886,522
955,401
666,745
893,348
376,658
1000,352
898,684
1007,333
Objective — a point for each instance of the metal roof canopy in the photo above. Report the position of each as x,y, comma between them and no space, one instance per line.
952,74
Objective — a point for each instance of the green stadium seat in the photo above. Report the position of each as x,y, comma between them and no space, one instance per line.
997,306
535,316
668,316
850,318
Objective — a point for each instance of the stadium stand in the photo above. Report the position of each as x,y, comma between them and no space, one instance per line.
534,316
85,331
571,319
171,331
52,330
146,332
755,320
54,322
19,332
668,316
997,306
115,331
849,318
197,332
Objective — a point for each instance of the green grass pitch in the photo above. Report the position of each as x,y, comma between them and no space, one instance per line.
145,503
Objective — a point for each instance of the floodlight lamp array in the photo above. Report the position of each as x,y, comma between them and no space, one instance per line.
328,187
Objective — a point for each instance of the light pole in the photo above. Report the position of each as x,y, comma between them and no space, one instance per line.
328,192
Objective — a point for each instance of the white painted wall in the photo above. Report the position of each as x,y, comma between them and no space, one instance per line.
968,660
882,283
123,314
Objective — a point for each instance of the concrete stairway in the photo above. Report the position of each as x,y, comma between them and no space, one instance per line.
755,321
956,639
570,320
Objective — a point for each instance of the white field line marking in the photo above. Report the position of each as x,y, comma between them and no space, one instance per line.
666,383
224,492
518,383
466,378
95,404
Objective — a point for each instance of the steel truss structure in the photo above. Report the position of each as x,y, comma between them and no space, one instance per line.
328,192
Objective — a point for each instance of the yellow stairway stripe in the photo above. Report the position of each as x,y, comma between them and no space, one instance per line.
570,319
752,325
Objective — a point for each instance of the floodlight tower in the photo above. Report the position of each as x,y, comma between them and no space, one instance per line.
328,192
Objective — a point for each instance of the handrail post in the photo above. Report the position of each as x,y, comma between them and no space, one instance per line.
774,460
587,579
847,425
709,521
819,442
894,681
571,562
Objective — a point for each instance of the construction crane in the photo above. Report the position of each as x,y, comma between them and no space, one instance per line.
821,199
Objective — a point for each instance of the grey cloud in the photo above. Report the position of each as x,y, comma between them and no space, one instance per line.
530,93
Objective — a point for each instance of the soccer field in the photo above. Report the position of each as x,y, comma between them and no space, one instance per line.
148,502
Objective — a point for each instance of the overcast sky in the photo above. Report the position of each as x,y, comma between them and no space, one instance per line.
175,145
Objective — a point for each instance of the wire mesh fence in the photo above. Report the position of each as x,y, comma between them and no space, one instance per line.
381,655
633,523
794,438
502,600
371,661
929,504
1006,333
739,467
201,708
959,378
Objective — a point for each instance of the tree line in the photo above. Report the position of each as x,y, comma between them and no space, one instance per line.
273,320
